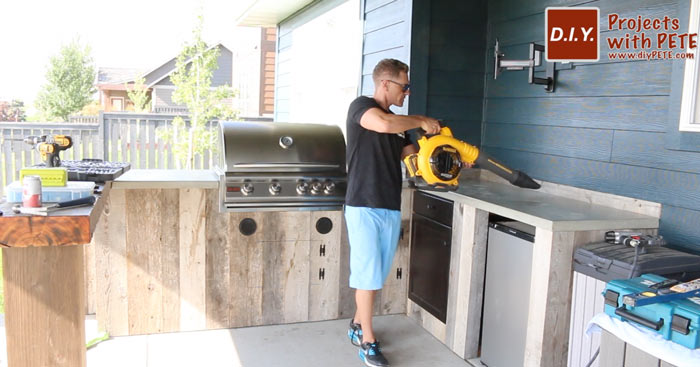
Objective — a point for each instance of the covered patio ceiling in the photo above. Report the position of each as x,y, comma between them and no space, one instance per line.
268,13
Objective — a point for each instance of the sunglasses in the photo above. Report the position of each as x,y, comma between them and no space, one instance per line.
404,87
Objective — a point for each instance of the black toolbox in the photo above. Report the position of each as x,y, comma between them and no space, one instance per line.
95,170
607,261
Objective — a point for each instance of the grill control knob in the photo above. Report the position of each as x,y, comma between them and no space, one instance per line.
316,187
247,188
302,187
328,187
275,188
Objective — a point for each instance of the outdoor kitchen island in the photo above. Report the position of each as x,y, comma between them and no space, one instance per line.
168,260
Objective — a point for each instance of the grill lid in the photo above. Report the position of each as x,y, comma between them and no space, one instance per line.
264,147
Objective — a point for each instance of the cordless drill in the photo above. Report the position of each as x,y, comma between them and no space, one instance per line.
634,239
49,146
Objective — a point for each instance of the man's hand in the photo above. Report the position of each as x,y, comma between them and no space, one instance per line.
430,125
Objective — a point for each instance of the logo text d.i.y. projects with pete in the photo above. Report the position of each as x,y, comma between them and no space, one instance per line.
572,35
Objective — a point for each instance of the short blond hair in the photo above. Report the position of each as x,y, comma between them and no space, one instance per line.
390,67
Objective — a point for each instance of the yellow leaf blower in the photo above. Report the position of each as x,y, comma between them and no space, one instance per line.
439,162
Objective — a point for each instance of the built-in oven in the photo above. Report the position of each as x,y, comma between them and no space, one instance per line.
431,237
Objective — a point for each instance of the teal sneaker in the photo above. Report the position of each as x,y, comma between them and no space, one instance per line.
355,333
371,354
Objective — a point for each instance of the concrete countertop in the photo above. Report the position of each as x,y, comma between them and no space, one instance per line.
547,211
167,179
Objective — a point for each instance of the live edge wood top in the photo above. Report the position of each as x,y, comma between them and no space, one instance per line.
62,228
167,179
543,210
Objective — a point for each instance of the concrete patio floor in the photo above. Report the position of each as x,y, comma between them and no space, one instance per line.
323,343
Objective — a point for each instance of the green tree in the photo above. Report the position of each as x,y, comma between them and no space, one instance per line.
195,66
69,82
138,94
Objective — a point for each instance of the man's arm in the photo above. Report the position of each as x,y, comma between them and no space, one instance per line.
377,120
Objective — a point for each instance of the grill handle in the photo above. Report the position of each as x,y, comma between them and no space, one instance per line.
285,165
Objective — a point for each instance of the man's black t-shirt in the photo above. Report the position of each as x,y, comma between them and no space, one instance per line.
374,161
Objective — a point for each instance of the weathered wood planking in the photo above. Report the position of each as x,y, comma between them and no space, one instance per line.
467,270
392,297
218,265
285,258
549,299
169,235
167,260
110,260
192,247
44,306
89,276
346,297
144,267
324,255
246,271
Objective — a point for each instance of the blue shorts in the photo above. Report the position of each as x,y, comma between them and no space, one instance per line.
373,235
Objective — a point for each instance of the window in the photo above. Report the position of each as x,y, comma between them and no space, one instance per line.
690,102
117,103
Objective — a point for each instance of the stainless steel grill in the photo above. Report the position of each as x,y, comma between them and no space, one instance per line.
282,166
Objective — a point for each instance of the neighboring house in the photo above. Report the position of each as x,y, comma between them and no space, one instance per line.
111,87
111,84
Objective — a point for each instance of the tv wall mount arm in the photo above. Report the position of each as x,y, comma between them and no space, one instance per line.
536,58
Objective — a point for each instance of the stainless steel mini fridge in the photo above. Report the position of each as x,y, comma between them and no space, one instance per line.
506,293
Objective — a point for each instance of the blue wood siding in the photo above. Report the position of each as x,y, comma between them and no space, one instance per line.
386,34
603,129
455,44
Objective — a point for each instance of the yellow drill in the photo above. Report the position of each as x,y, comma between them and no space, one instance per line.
49,146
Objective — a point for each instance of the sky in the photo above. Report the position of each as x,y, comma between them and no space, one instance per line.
127,33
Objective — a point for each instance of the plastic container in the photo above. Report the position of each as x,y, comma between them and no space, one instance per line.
73,190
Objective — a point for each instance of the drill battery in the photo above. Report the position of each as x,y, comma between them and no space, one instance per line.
634,239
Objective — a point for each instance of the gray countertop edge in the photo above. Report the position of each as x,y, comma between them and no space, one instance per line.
547,224
167,179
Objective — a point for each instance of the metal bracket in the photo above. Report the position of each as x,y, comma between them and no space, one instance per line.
534,61
322,250
398,273
321,273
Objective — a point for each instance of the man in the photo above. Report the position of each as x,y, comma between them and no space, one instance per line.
376,143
